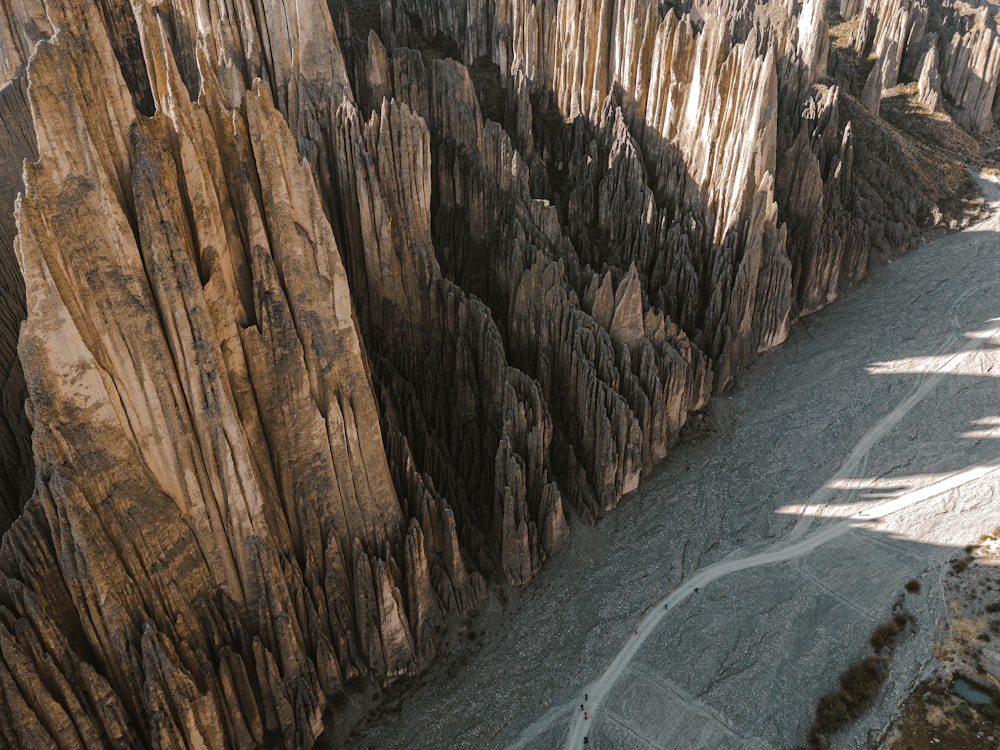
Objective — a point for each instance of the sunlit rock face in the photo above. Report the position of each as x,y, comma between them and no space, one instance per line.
315,319
961,38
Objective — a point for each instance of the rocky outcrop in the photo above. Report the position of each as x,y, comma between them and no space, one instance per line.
929,83
967,51
329,317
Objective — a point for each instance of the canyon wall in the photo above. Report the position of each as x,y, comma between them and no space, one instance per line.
316,318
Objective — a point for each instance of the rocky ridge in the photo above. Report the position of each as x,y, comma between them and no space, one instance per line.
329,318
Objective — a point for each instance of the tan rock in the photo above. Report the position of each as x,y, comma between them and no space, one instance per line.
871,95
930,81
308,356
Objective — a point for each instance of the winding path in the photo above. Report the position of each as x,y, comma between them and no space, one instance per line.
798,542
906,413
597,690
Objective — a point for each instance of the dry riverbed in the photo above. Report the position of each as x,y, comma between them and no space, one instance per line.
869,439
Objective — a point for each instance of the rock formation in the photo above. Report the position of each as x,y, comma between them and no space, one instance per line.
929,83
211,483
315,319
964,37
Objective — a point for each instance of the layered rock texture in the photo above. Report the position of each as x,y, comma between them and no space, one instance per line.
952,48
316,318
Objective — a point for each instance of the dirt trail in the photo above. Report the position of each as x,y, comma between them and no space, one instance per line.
869,423
582,722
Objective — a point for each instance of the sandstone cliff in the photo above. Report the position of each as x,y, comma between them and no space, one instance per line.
214,546
316,319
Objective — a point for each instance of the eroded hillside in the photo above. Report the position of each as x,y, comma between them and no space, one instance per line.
319,318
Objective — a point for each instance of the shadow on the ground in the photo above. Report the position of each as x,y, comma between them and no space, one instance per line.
743,662
940,433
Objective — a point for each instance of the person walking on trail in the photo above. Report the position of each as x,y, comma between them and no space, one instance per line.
585,697
586,741
635,632
584,715
581,706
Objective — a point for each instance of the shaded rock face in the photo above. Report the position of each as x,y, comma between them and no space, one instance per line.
16,466
328,319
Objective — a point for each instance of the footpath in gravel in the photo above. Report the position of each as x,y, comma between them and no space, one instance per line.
715,606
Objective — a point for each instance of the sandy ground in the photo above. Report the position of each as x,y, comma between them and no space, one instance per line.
858,455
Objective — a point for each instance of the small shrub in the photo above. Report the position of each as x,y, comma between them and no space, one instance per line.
859,684
861,681
959,564
832,712
882,636
885,633
994,607
913,585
